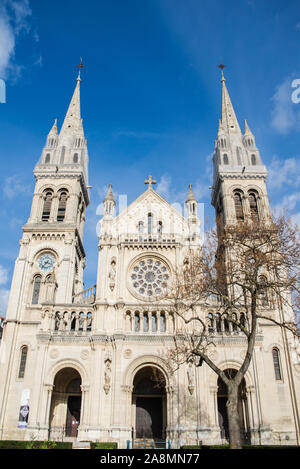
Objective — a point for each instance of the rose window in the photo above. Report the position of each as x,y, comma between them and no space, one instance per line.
149,277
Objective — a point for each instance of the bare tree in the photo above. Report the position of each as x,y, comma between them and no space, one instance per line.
250,272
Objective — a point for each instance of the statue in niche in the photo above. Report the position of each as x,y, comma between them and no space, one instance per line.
107,376
51,285
112,275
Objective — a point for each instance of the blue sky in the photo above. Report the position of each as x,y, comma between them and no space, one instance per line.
150,97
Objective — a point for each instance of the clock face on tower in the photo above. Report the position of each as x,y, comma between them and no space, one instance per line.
46,262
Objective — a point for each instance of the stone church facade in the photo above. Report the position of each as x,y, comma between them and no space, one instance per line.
83,363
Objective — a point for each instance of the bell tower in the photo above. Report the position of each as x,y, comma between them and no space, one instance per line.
239,185
52,258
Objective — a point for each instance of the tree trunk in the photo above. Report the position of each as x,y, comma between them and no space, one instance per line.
235,441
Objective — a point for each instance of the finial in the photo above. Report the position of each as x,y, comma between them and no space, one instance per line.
79,66
150,181
221,67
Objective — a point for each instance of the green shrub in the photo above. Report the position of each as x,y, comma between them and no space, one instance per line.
17,444
102,445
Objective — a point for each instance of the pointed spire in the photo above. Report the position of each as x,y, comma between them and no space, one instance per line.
109,195
53,131
228,117
109,203
247,131
73,122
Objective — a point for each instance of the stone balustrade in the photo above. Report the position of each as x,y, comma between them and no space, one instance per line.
86,296
149,322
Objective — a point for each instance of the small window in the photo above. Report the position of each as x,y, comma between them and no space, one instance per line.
47,206
150,223
47,158
263,290
225,159
159,227
276,361
36,289
75,158
253,159
137,322
253,206
62,206
24,352
238,202
162,322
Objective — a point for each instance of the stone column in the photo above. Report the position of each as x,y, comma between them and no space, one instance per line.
84,417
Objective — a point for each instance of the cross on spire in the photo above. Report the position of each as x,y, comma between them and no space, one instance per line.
150,181
221,67
80,66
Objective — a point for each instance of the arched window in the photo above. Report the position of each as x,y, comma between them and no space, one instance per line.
276,361
162,322
154,322
146,322
159,227
225,159
238,202
75,158
150,223
253,159
141,227
47,158
252,196
263,290
47,205
137,322
24,352
62,206
36,289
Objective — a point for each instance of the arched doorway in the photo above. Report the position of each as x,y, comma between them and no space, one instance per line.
242,407
65,404
150,403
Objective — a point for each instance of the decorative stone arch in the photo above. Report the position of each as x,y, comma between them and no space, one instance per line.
147,360
45,187
66,404
45,247
64,186
71,363
134,397
225,364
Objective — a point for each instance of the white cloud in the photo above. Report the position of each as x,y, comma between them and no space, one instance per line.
285,115
4,292
4,295
14,186
284,172
3,275
14,19
163,186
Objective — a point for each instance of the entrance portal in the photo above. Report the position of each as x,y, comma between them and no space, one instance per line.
65,404
149,397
